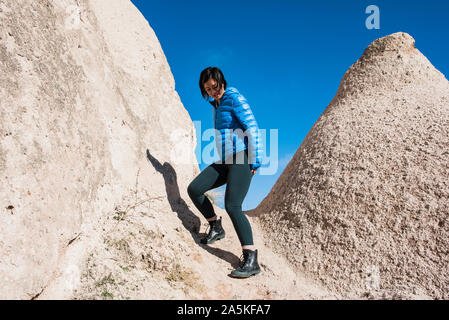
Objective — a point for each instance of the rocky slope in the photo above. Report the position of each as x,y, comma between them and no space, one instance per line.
363,205
82,99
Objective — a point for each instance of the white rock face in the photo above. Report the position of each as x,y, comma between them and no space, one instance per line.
85,91
363,205
95,149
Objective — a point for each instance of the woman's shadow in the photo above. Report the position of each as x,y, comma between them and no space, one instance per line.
189,220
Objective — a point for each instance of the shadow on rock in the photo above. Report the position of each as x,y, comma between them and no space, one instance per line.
225,255
189,220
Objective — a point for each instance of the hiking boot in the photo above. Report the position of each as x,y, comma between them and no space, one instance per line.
248,267
216,232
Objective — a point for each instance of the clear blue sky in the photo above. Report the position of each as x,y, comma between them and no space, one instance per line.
286,57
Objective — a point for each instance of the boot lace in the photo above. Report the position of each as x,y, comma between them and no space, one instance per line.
208,228
241,260
207,224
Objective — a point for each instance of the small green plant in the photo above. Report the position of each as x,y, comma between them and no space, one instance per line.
103,285
119,214
126,269
106,280
180,274
175,274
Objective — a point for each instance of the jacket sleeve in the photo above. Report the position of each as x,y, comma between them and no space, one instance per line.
243,113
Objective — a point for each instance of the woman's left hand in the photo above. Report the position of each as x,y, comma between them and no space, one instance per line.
254,171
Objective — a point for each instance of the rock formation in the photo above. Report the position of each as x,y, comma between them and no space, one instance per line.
85,91
363,205
95,149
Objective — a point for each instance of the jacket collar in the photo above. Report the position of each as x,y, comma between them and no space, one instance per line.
227,92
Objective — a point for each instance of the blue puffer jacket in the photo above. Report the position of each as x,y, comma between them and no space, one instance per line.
233,113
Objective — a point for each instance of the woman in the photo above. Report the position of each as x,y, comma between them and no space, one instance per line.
239,160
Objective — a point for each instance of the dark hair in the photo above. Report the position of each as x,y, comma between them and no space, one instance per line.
214,73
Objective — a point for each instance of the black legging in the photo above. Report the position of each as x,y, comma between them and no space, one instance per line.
237,177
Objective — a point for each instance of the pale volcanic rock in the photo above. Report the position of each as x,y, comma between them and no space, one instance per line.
97,151
85,90
363,205
94,164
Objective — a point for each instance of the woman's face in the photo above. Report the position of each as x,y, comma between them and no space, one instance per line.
211,87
